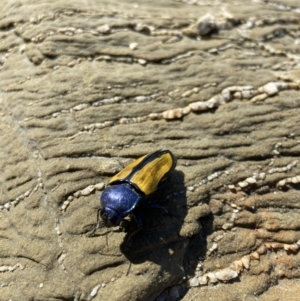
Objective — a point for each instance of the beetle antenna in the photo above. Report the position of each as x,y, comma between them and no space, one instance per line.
95,226
106,235
128,268
99,222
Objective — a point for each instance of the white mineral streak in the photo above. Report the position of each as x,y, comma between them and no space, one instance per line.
282,182
7,205
262,175
143,27
104,124
213,176
254,255
84,192
94,292
269,88
88,190
293,247
198,106
233,217
219,237
66,30
243,184
103,58
295,180
259,97
99,186
193,282
247,94
142,98
227,226
187,93
77,194
226,274
80,107
216,101
178,57
154,116
251,180
65,205
107,101
172,114
246,261
238,266
21,197
61,258
142,61
203,280
261,250
123,59
212,248
164,32
273,88
173,39
39,38
57,229
284,168
212,277
7,268
133,120
226,95
27,193
105,28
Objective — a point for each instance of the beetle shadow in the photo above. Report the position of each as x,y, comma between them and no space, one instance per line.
159,240
162,215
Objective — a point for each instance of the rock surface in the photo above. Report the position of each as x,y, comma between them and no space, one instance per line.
87,86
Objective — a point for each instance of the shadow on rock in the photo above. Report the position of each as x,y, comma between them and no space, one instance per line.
160,240
162,217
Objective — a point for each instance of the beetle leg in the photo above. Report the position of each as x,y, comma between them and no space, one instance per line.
128,269
156,206
133,234
124,225
88,228
138,221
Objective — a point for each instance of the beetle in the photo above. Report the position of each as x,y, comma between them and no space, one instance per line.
131,186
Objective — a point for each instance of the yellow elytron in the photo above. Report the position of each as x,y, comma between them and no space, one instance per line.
146,172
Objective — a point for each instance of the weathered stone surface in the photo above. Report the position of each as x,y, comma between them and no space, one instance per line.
87,86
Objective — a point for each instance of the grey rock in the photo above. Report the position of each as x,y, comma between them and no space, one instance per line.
77,104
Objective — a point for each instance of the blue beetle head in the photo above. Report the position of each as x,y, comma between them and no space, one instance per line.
110,217
117,201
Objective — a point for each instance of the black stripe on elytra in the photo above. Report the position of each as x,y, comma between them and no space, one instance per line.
147,160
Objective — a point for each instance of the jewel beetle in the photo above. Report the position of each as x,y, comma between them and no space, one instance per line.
131,186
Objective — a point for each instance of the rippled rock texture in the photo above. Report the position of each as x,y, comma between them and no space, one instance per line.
88,86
